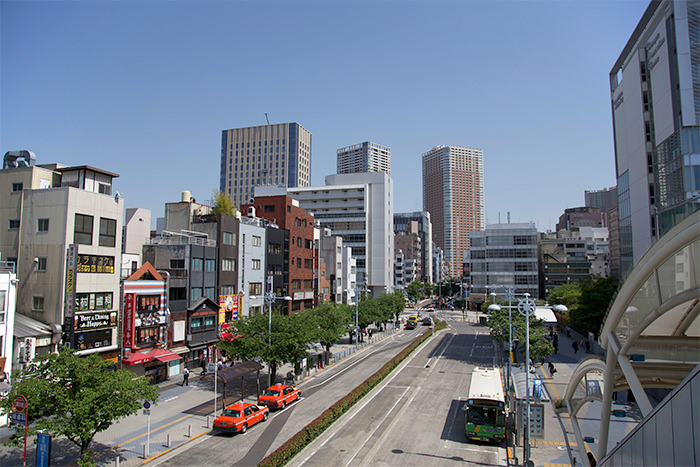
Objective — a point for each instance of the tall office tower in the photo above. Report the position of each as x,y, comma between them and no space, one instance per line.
364,157
277,155
602,199
655,97
453,193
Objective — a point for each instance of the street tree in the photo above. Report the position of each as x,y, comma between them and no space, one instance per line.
327,322
248,338
596,295
76,397
414,290
540,346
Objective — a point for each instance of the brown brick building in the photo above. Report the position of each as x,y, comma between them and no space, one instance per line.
298,251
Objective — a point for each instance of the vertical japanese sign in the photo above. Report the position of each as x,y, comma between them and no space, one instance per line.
69,300
129,320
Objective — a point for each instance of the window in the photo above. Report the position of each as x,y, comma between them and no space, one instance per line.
209,321
210,265
228,264
308,264
256,240
41,264
108,232
197,264
82,232
209,292
255,288
37,303
296,284
256,264
196,293
17,186
42,225
14,224
269,208
177,264
104,188
228,290
228,238
178,293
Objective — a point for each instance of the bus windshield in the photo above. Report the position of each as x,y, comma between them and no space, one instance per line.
491,416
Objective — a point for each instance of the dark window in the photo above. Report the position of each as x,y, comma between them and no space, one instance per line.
269,208
177,264
108,232
178,293
83,229
17,187
41,264
14,224
42,225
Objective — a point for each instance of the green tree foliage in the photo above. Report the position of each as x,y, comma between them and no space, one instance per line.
290,335
596,295
76,397
223,204
327,323
540,346
587,300
414,290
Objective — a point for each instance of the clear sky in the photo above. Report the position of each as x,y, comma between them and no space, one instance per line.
144,89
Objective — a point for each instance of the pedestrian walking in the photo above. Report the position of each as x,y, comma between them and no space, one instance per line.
588,347
591,459
555,342
551,368
203,365
574,345
185,377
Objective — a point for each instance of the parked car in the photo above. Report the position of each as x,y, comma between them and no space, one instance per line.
279,395
427,321
237,418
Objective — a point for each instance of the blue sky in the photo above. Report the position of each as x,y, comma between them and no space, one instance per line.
144,89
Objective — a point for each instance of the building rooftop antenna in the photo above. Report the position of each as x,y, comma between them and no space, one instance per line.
266,118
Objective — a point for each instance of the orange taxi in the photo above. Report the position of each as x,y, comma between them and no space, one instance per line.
279,395
237,418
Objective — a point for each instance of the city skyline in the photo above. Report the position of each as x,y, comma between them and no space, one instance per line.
143,89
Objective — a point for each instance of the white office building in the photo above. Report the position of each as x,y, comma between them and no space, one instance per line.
654,86
359,208
364,157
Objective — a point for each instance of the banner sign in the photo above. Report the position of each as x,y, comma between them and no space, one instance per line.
228,304
95,264
129,320
87,321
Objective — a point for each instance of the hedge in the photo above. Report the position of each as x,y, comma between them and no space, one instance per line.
299,441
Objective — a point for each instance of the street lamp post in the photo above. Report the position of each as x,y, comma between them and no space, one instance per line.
270,298
526,307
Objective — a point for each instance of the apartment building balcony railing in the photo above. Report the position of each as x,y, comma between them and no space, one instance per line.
8,266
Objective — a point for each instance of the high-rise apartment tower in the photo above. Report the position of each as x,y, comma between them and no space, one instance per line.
655,97
364,157
453,193
277,155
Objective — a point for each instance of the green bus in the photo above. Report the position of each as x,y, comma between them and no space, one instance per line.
486,407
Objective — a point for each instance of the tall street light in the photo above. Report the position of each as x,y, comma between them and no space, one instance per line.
270,298
526,307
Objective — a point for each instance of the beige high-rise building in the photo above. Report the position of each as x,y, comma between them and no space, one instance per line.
453,193
267,155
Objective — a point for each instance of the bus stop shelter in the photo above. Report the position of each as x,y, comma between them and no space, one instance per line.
518,403
235,372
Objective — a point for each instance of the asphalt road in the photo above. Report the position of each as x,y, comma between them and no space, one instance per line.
318,393
414,417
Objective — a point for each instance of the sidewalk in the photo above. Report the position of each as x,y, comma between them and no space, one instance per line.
558,448
182,414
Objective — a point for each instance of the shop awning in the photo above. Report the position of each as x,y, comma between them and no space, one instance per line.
163,355
136,358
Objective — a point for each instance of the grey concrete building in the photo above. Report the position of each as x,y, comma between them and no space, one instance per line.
364,157
267,155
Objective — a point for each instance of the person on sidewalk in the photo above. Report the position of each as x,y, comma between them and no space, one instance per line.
185,377
574,345
551,368
555,342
